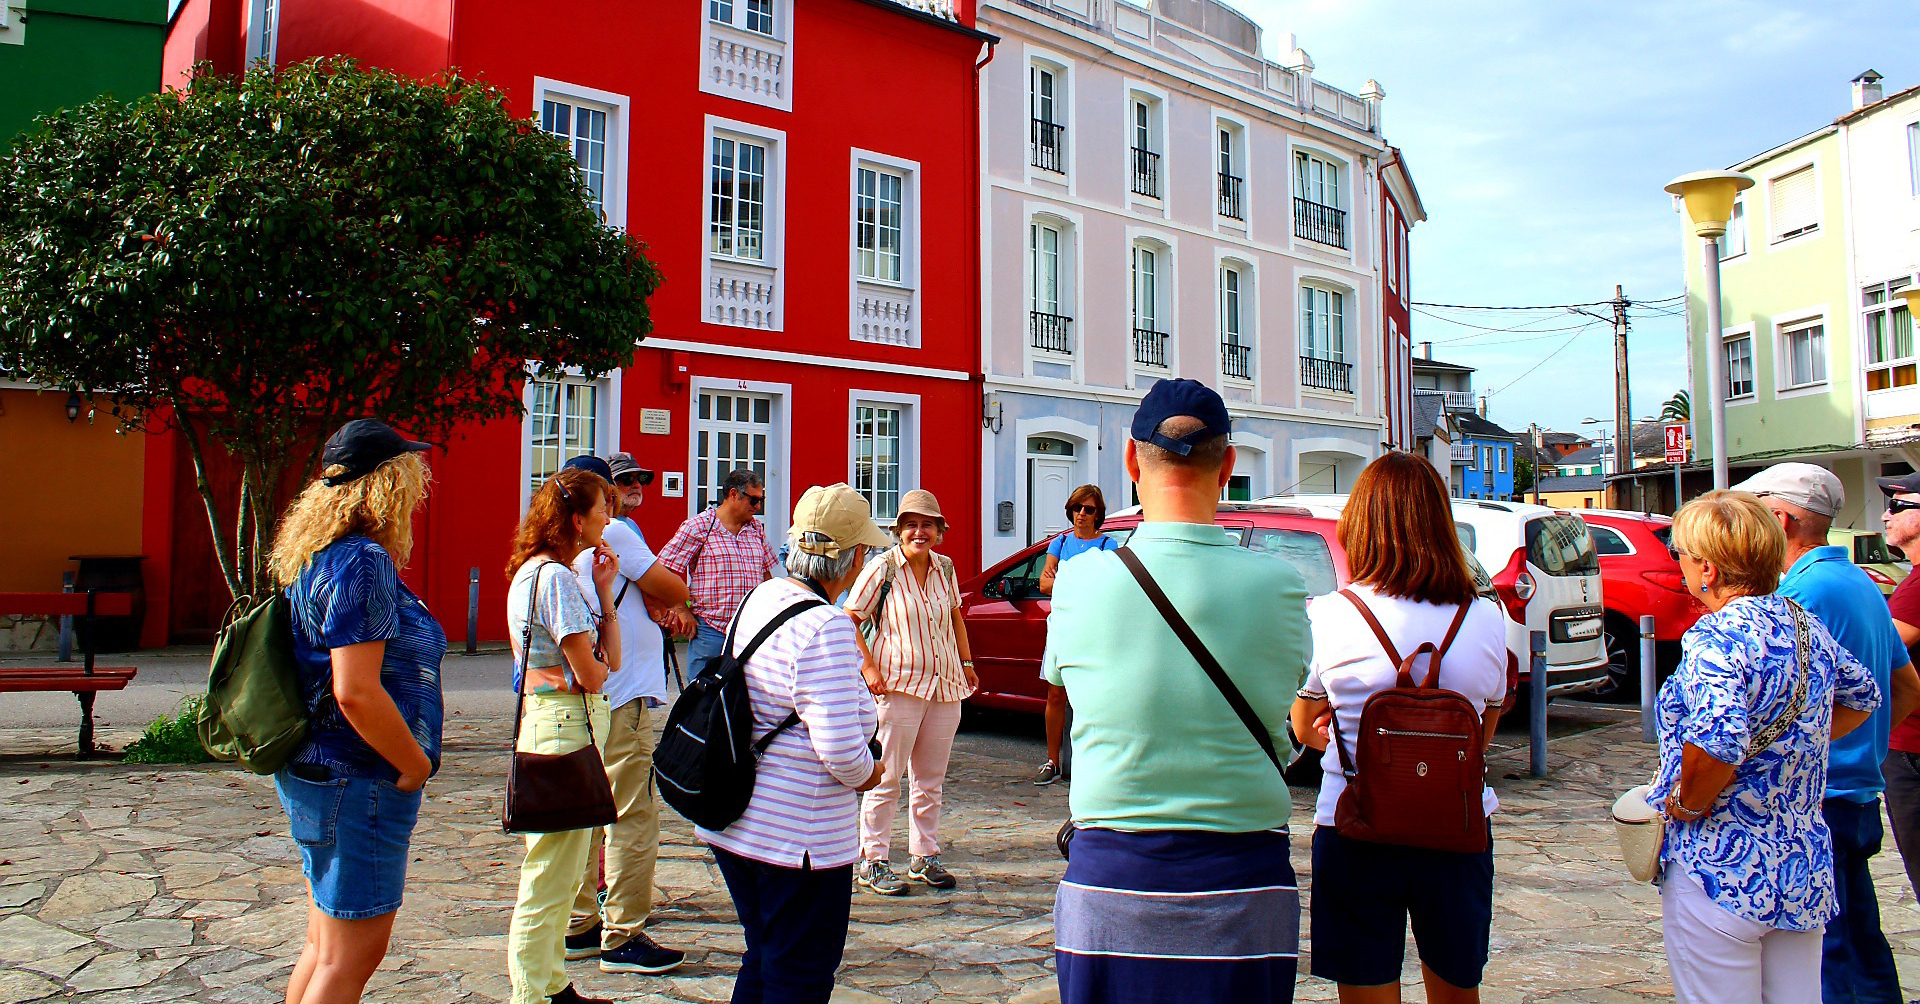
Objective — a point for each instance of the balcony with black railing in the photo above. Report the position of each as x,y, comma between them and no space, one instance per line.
1320,224
1049,143
1050,332
1326,374
1146,173
1230,197
1150,347
1236,360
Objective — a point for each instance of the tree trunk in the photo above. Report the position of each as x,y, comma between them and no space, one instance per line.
221,554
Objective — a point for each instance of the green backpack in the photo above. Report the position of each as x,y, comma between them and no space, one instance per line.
255,711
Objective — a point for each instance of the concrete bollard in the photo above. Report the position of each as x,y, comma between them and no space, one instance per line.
1649,689
1537,705
473,611
66,621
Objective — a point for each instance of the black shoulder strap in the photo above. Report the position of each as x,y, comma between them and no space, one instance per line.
793,717
1200,654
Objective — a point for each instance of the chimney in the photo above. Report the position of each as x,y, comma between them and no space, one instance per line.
1426,351
1866,90
1483,406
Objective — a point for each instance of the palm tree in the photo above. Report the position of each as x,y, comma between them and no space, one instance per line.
1679,407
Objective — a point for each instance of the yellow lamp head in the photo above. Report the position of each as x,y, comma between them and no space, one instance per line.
1709,198
1912,295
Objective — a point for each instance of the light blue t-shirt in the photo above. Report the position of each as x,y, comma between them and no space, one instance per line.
1833,589
1069,545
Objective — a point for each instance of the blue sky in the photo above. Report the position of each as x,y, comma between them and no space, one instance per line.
1540,135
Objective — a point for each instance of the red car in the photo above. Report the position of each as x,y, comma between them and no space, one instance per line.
1006,612
1639,576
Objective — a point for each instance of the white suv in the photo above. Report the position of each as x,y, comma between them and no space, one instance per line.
1547,576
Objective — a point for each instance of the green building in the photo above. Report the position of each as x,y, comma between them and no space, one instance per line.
57,53
1819,355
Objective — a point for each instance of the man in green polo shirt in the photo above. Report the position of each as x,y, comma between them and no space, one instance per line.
1179,887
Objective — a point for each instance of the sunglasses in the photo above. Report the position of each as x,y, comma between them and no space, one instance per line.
757,501
1074,510
631,478
1901,505
1677,553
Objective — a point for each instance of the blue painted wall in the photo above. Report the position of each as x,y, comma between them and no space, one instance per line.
1475,486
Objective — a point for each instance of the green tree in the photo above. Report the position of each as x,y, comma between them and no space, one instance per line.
262,257
1678,408
1522,474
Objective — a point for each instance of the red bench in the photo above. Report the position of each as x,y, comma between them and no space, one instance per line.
84,680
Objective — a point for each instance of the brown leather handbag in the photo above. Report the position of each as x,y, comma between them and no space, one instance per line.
552,793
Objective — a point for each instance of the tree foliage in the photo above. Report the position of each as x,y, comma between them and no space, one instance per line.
1523,474
262,257
1678,408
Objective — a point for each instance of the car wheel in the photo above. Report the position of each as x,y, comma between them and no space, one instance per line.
1623,661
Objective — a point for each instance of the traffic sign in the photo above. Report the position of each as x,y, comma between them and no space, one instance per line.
1676,444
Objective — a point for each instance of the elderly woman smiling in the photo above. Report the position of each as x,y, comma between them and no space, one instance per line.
1745,723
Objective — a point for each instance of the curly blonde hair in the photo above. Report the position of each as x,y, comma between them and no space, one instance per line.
378,505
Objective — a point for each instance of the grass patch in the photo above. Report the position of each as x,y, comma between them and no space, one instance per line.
172,740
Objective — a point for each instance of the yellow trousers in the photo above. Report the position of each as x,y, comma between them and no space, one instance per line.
632,842
550,874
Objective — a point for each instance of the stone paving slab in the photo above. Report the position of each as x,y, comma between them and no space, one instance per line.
127,885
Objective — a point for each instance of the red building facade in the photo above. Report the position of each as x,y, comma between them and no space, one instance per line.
805,175
1400,209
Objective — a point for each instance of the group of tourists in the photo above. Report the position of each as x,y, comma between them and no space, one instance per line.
1190,665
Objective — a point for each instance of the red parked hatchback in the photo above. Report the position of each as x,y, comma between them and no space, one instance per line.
1639,576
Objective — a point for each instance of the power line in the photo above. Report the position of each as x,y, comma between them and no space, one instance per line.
1543,361
1518,327
1547,306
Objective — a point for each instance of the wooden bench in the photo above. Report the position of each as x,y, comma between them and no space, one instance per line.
83,680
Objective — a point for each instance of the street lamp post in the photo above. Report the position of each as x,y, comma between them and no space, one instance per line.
1709,196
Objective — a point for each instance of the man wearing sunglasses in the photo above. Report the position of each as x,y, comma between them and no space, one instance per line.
613,930
1857,963
722,554
1902,765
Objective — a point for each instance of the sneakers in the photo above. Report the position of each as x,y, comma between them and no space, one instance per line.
1049,773
584,945
929,870
640,954
572,996
879,877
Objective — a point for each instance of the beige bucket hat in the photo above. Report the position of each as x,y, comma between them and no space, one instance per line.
920,502
838,512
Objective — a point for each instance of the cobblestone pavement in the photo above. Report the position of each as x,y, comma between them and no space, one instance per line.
129,885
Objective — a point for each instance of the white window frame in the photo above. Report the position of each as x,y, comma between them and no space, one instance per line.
1061,68
1166,299
606,418
1912,133
1310,285
780,497
909,407
613,195
1727,338
778,12
770,267
1240,135
1389,233
1345,195
1247,299
1884,312
890,295
1812,167
747,65
1068,280
1730,246
1785,327
263,31
1155,101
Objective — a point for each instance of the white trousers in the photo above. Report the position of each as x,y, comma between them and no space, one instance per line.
1718,958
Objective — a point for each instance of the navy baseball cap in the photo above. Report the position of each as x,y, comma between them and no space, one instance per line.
592,465
362,445
1174,399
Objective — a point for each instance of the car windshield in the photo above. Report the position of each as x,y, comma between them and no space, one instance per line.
1305,550
1560,545
1871,549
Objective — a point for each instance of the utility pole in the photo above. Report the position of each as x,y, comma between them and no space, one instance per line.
1534,429
1623,423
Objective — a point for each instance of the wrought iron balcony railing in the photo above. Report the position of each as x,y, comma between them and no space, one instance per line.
1326,374
1230,197
1146,173
1049,143
1050,332
1150,347
1320,224
1236,360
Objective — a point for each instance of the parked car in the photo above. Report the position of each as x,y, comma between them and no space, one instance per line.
1885,564
1548,580
1639,577
1006,613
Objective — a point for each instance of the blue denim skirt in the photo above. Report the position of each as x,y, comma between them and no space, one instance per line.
354,834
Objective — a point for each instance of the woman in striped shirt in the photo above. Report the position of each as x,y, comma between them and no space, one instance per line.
920,668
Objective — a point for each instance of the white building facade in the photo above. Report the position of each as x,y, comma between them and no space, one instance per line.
1160,201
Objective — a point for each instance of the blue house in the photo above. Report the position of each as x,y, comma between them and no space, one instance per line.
1490,453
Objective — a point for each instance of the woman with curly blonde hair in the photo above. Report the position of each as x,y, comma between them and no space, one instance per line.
369,659
565,653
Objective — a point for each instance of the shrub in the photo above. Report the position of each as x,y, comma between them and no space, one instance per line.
172,740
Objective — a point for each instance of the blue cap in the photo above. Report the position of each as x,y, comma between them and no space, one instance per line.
592,465
1174,399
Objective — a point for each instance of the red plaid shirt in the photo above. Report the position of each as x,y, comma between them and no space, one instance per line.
720,567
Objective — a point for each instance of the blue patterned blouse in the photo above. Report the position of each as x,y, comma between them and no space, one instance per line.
350,593
1763,852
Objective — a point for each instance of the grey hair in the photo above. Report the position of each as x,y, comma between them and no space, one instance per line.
819,567
739,480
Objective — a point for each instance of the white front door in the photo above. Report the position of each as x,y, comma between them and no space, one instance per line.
734,429
1049,481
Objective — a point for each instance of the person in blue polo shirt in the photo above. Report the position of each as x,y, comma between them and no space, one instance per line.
1857,965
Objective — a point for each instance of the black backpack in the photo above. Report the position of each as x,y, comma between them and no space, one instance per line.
705,761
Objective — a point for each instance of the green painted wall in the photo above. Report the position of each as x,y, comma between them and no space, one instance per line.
75,50
1760,287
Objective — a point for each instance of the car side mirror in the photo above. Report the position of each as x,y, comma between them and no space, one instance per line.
997,589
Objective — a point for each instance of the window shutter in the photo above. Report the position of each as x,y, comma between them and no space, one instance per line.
1794,206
